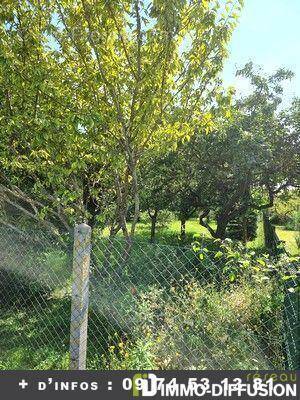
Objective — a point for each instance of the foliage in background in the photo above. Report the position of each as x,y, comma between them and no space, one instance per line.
286,210
213,314
237,169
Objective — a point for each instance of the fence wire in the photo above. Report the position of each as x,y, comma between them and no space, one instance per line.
35,280
151,306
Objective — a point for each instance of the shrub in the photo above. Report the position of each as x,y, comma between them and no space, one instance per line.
196,327
229,316
293,223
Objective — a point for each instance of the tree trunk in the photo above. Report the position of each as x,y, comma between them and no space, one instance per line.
183,229
92,218
270,236
89,203
153,225
245,230
122,203
135,189
221,227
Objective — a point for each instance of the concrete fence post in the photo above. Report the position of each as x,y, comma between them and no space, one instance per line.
80,296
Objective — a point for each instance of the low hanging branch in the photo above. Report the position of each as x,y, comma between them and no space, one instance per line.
203,222
31,208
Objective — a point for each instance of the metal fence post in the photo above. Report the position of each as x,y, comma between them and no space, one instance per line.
80,296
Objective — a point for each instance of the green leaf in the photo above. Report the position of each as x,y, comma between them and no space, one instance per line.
218,255
261,262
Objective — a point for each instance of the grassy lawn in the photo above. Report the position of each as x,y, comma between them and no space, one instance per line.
170,234
289,237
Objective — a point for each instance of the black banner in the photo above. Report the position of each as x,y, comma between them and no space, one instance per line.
149,384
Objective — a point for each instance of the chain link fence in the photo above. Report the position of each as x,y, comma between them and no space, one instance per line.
130,304
35,281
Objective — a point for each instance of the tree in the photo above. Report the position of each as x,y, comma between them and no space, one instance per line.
254,154
156,186
167,184
242,165
88,87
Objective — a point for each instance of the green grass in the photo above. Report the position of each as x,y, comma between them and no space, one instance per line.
171,234
34,335
289,237
35,328
34,321
222,326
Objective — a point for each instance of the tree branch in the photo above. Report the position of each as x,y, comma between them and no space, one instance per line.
205,224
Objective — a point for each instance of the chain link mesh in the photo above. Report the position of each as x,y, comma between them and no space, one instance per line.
151,306
35,281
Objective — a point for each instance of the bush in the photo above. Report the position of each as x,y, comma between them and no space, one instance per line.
293,222
286,211
229,316
198,327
